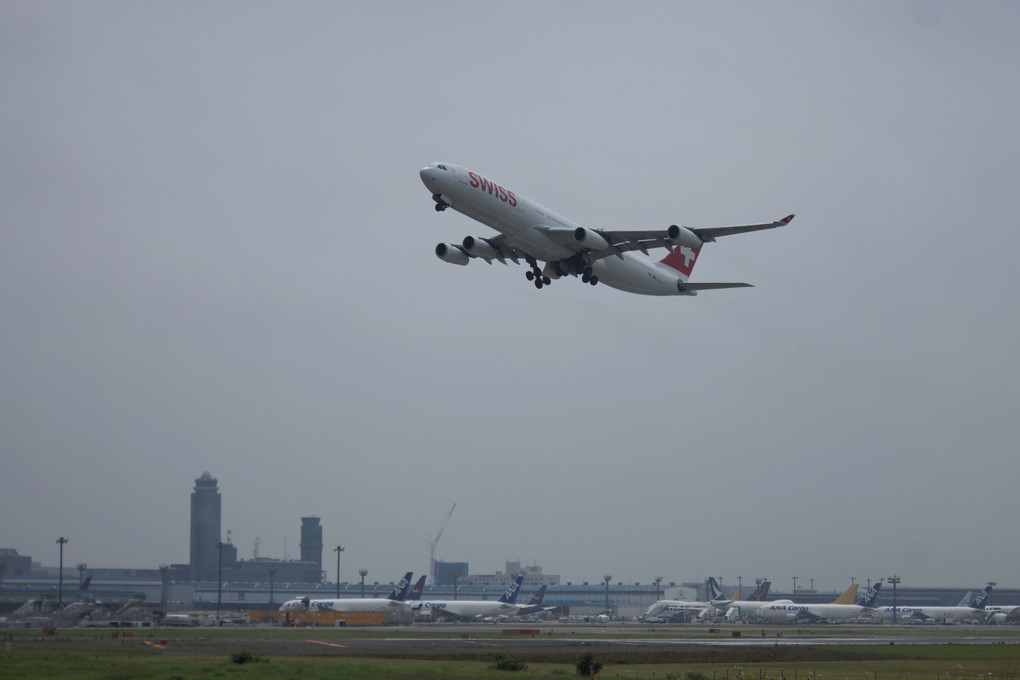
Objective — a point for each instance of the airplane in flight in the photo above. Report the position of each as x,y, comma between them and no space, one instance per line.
974,611
395,601
535,234
469,609
689,609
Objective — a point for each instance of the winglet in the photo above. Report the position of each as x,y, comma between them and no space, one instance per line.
787,219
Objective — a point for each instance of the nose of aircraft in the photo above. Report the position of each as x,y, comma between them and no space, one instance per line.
427,173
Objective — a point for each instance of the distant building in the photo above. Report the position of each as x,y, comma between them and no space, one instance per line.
15,565
533,576
448,573
205,529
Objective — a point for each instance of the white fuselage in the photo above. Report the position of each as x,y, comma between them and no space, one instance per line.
350,604
937,614
526,225
466,609
774,611
664,609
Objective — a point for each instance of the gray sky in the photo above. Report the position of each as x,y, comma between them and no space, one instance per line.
216,254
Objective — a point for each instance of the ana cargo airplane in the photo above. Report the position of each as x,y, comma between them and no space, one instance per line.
974,612
742,608
534,234
392,602
470,609
842,607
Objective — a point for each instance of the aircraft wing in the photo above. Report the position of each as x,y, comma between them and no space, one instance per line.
708,234
617,241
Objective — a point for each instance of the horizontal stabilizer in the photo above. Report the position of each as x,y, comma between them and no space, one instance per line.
694,287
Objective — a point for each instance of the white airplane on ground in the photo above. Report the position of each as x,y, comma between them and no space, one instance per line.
469,609
756,601
534,605
975,612
530,232
392,602
689,609
842,609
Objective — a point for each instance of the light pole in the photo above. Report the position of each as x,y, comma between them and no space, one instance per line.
60,579
894,580
658,580
740,583
812,584
363,573
795,586
456,576
272,573
339,549
3,568
608,578
219,581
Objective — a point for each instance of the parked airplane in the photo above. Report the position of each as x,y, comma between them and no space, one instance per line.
470,609
975,611
530,232
739,608
688,609
534,605
393,601
842,607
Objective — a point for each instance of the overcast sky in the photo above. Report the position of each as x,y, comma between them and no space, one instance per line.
216,254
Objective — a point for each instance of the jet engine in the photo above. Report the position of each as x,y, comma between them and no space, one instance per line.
683,236
589,239
479,247
453,254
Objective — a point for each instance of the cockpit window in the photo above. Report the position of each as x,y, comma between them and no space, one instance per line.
441,166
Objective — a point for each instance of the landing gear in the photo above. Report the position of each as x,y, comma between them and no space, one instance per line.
535,274
441,205
588,277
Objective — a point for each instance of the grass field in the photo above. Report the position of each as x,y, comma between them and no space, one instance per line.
29,656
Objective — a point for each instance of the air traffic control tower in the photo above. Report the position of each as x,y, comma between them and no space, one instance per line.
205,529
311,541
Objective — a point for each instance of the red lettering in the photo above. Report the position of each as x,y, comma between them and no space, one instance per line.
512,198
502,194
474,179
486,185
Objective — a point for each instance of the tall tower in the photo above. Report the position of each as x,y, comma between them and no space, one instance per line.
205,529
311,541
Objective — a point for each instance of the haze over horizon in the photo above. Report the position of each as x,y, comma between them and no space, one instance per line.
217,255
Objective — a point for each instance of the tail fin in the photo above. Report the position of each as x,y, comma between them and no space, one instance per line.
870,596
715,591
848,595
399,592
510,596
415,593
982,598
682,259
966,600
86,583
537,598
761,591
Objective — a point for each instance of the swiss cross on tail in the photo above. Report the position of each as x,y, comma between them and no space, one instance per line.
682,259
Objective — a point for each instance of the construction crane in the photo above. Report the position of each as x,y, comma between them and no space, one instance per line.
434,541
